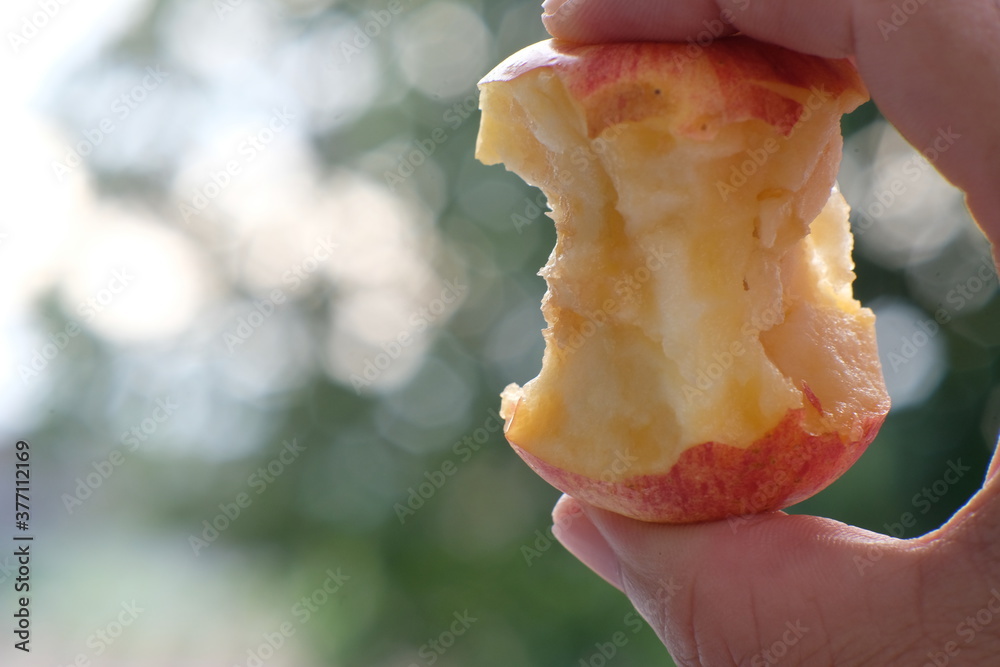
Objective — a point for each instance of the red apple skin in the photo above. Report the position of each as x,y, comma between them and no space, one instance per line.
714,481
737,79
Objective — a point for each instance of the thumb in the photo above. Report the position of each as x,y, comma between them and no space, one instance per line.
724,592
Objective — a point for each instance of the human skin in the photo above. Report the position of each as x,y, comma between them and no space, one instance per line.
722,593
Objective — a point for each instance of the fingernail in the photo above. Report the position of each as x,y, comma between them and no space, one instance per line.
575,531
550,7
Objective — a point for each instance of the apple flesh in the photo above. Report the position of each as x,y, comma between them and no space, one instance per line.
704,354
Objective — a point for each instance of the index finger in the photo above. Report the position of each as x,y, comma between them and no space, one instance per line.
933,69
819,27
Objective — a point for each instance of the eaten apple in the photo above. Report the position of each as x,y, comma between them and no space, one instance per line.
704,355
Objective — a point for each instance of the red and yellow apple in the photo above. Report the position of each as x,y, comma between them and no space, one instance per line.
704,355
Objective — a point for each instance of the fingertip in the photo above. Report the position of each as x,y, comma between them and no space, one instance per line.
618,547
573,527
593,21
550,7
818,27
567,507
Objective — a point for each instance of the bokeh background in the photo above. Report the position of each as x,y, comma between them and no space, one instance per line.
259,375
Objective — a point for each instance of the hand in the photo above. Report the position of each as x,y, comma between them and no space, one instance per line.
805,590
939,68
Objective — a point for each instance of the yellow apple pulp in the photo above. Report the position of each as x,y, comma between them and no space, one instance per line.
704,354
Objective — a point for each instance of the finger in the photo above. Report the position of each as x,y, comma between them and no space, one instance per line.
577,533
820,27
936,77
716,592
934,71
973,532
644,20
